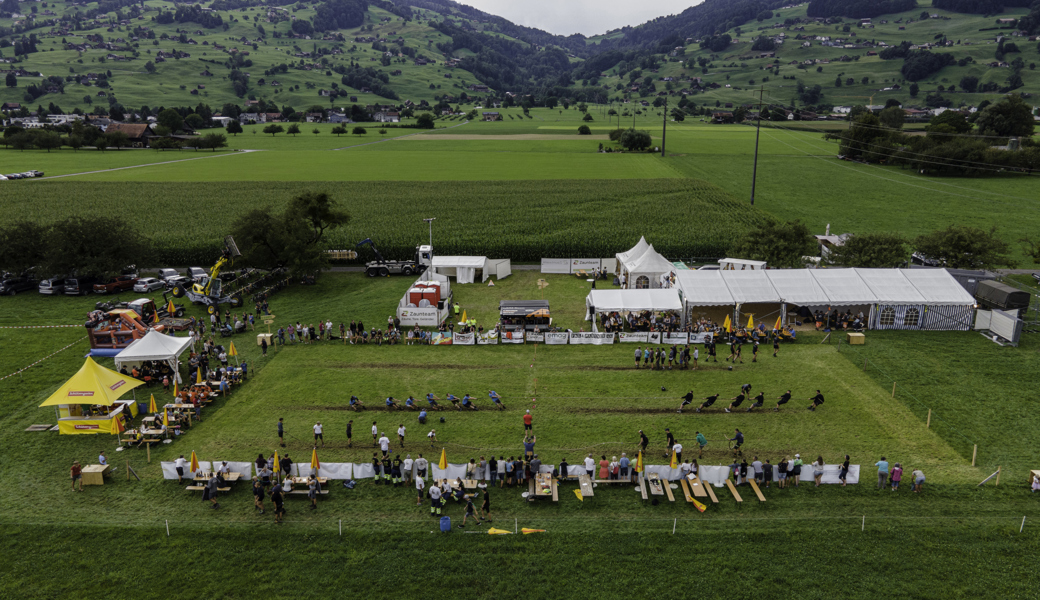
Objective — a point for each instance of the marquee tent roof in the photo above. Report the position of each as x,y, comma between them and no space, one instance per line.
633,300
890,286
649,262
843,287
153,346
472,262
704,288
938,287
633,252
796,286
750,286
93,384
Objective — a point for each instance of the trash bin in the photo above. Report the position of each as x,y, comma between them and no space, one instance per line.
446,524
142,408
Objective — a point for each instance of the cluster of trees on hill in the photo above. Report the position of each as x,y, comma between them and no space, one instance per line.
857,9
920,64
955,144
190,14
707,18
980,7
339,14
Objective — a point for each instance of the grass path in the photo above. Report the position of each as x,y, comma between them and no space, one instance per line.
167,162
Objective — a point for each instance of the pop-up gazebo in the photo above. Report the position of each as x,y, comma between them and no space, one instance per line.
154,346
97,387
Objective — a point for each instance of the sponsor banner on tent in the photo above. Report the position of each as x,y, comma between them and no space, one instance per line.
557,338
556,265
440,339
632,337
511,337
700,338
487,338
584,264
676,338
535,337
588,337
654,337
463,339
424,317
77,426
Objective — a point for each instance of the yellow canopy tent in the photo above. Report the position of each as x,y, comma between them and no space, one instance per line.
92,384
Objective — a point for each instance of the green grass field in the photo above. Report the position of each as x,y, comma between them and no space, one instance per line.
585,399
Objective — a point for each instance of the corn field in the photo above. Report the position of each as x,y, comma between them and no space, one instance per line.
524,221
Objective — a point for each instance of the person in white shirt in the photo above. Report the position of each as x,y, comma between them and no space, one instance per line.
318,435
223,358
101,459
384,444
223,469
375,434
757,466
420,466
432,436
435,498
677,448
400,434
406,468
181,464
684,469
419,486
590,465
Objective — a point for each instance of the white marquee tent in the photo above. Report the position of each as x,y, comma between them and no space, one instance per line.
633,252
464,268
622,301
646,271
154,346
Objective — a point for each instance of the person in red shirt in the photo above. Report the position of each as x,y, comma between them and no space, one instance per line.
77,475
527,422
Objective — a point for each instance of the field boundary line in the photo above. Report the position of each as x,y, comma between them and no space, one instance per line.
167,162
400,137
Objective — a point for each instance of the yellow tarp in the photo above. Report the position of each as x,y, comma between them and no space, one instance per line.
86,426
93,384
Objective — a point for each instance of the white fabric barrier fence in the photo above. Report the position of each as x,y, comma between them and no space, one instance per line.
463,339
487,339
587,337
556,338
626,337
535,337
556,265
511,337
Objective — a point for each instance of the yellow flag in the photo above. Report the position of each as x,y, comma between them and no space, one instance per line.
198,375
577,493
232,351
170,308
166,417
314,459
639,462
277,467
117,426
155,318
463,315
151,406
675,461
494,531
778,324
175,386
727,325
700,506
751,321
526,531
194,466
443,462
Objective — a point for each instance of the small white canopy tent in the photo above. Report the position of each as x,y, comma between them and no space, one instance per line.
647,270
741,264
464,268
632,301
154,346
633,252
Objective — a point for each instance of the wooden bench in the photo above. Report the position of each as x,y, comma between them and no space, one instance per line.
199,488
733,491
303,492
686,490
667,485
611,481
642,485
585,483
655,486
697,487
711,492
758,492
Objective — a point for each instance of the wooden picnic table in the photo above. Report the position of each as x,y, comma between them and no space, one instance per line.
696,486
95,474
654,481
543,485
585,483
205,476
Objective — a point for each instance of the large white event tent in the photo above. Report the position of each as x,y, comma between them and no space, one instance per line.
643,266
154,346
622,301
928,299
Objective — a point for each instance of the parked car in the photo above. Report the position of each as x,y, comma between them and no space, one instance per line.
55,286
196,272
79,285
13,285
37,173
116,284
148,284
172,282
165,274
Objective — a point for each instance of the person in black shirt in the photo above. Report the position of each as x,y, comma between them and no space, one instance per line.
377,468
669,441
737,401
816,400
782,399
708,401
844,470
688,398
743,471
732,351
563,474
350,433
643,440
754,352
388,468
767,473
279,506
776,343
759,400
395,470
740,346
739,439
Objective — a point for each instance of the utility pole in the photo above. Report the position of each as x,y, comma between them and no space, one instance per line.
758,129
430,221
664,126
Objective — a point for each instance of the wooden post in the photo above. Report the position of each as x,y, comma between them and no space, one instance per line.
974,453
893,389
148,451
928,423
864,364
1023,525
998,476
128,470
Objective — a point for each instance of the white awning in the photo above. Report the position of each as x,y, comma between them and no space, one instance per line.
843,287
797,286
472,262
153,346
890,286
938,287
750,286
633,300
703,288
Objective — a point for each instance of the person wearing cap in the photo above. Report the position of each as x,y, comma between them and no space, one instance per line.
527,422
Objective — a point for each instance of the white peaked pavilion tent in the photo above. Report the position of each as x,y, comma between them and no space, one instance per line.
929,299
647,270
622,301
633,252
154,346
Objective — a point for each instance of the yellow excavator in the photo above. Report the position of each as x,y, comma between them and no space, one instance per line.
207,290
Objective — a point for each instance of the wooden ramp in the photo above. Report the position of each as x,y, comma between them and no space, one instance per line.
642,485
758,492
733,491
686,490
697,487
